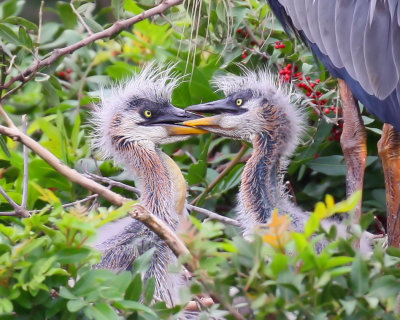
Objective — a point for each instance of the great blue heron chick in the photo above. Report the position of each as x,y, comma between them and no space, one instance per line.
258,109
132,119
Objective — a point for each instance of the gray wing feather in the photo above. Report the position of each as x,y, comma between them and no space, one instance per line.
326,22
395,33
344,16
378,53
360,20
301,14
313,20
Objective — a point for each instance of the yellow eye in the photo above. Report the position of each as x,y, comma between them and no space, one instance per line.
239,102
147,113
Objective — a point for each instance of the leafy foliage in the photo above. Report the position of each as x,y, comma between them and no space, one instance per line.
45,259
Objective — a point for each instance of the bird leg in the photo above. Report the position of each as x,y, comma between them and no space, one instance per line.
389,151
353,142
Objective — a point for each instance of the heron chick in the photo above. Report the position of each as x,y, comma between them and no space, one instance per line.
258,109
132,119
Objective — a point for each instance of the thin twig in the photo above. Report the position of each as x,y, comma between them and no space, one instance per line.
8,198
71,204
213,215
71,174
228,168
89,31
111,182
26,168
208,213
18,210
115,28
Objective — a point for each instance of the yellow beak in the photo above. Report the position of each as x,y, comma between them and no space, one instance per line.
182,130
208,121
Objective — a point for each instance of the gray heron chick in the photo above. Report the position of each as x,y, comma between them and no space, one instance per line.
132,119
258,109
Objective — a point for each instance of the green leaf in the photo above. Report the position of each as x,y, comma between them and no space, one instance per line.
76,305
133,306
25,38
71,255
21,22
68,17
3,145
134,290
385,286
105,312
9,35
149,290
359,276
197,172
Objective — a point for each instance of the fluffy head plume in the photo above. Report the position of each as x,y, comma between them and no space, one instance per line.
155,82
265,85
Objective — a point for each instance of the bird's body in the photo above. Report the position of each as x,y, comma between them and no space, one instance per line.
258,109
130,122
358,42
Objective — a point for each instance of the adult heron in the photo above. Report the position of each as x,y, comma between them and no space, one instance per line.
129,124
359,43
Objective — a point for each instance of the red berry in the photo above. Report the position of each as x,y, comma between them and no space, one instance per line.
327,111
289,66
69,71
316,156
62,74
239,30
287,77
330,138
244,55
308,78
318,80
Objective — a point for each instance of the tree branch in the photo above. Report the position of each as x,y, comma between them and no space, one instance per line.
228,168
115,28
26,168
208,213
66,171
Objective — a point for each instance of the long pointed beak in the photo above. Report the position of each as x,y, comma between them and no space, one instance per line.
178,130
219,106
203,122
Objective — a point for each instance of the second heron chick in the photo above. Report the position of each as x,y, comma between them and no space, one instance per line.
258,109
130,122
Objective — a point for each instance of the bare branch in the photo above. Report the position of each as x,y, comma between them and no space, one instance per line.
26,168
90,32
71,174
19,210
155,224
112,182
115,28
8,198
208,213
213,215
71,204
228,168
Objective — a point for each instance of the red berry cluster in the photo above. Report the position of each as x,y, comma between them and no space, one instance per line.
244,33
244,54
65,74
279,45
286,72
336,132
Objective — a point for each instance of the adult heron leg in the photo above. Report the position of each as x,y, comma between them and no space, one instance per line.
353,142
389,151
